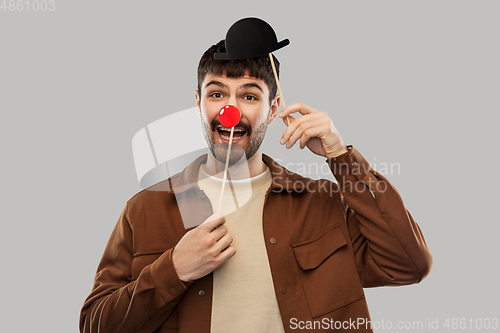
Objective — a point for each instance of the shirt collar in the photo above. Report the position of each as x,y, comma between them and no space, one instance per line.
282,178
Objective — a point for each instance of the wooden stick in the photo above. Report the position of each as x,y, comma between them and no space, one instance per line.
278,84
225,168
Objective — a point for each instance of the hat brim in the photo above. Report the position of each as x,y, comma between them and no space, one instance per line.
229,56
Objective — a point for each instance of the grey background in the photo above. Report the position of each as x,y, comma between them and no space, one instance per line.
408,82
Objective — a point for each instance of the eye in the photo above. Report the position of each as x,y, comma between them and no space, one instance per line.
216,95
250,98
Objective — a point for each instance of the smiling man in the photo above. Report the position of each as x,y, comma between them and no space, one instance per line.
295,254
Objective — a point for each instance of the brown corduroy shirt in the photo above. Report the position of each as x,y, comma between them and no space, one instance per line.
324,241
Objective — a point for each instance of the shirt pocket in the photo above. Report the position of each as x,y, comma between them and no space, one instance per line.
328,272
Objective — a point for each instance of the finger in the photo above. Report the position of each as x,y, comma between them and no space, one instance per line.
308,134
228,252
299,130
220,258
296,107
218,233
225,255
288,120
213,222
296,122
223,243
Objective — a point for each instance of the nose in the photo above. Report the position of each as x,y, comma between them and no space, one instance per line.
229,115
233,101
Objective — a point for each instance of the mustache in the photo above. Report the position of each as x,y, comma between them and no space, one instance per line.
246,126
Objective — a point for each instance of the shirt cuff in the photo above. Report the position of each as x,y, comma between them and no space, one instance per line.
350,167
165,279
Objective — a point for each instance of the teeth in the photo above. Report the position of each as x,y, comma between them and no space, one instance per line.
227,137
229,130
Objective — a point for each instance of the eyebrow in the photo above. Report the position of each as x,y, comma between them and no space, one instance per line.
245,86
217,83
252,85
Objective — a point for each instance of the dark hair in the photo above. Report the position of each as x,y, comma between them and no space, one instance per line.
259,67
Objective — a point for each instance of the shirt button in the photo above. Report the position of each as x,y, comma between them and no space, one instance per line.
283,290
273,240
172,291
201,292
203,196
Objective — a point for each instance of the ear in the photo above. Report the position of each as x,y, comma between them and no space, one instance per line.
198,101
275,104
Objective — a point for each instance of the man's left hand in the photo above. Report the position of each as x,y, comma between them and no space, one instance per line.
315,130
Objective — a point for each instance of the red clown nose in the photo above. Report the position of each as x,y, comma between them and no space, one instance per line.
229,116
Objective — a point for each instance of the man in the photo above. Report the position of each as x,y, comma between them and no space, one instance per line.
296,254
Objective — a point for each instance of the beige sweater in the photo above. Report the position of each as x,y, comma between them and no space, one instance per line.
243,296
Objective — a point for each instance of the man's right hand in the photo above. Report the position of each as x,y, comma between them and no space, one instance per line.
203,249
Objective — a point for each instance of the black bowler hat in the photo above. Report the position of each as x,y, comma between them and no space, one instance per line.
248,38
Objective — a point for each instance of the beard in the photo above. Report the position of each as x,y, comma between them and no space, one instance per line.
238,154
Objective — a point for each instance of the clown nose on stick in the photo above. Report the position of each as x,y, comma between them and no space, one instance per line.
229,116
